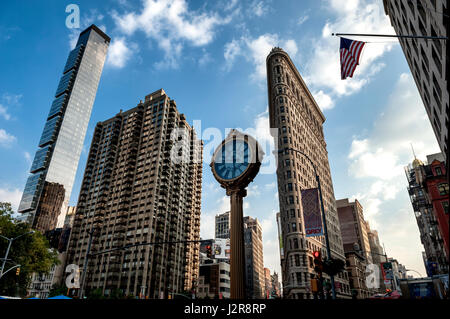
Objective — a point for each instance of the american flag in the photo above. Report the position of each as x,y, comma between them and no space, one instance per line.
350,53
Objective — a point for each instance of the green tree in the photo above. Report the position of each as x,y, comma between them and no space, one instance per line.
58,290
32,252
95,294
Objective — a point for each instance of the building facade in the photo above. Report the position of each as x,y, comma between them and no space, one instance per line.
223,225
267,283
52,174
436,187
142,184
214,280
417,175
254,263
276,287
353,226
355,266
298,119
378,255
427,59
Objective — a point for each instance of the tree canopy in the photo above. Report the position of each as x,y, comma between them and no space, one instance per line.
31,251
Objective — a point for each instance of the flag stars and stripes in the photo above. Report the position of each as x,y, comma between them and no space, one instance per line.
350,52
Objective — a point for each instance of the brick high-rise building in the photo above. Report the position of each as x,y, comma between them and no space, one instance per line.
134,191
48,188
436,186
427,59
353,226
254,263
424,182
296,115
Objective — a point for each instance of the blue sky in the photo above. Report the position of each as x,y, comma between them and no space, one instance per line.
210,58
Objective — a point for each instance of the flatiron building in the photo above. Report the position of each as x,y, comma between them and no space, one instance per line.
298,119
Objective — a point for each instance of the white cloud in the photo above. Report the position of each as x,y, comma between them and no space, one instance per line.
388,149
86,20
6,139
324,101
4,112
205,59
253,191
255,50
231,4
170,23
27,157
231,51
8,100
323,68
258,8
302,19
376,164
272,185
119,52
11,195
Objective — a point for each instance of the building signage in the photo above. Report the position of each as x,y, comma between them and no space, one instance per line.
311,212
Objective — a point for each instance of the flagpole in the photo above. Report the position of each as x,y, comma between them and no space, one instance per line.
390,36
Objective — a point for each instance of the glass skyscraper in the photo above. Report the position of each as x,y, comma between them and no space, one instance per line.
49,186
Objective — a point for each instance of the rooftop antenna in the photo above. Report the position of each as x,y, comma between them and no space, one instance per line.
413,151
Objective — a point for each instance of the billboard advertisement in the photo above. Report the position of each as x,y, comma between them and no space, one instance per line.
311,212
221,248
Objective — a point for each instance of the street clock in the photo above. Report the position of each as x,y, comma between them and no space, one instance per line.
235,163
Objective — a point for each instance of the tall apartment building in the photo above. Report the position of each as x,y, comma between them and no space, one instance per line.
134,190
49,186
417,175
223,225
254,263
353,226
427,59
296,115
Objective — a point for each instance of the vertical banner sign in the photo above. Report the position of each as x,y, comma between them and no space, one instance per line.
386,270
280,236
311,212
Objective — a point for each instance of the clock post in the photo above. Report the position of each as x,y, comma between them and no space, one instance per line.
235,164
237,246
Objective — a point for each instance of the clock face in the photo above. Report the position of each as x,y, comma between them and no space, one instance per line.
232,160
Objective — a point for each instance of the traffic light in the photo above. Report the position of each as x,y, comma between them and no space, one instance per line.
208,251
18,271
318,265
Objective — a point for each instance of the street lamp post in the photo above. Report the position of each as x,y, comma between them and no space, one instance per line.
10,240
324,221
